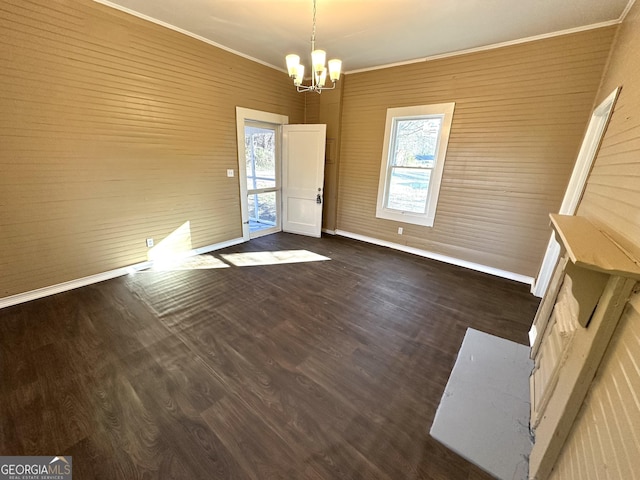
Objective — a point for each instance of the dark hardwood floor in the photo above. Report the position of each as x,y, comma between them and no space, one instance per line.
318,370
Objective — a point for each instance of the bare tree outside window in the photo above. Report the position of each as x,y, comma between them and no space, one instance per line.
415,144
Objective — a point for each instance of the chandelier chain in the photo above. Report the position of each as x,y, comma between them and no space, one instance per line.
313,31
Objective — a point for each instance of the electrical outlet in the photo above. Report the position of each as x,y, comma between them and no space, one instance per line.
149,242
400,230
230,172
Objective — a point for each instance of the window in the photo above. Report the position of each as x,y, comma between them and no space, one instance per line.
414,150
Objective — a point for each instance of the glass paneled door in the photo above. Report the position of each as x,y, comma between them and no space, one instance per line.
262,156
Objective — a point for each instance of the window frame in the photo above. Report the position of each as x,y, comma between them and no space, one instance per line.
443,110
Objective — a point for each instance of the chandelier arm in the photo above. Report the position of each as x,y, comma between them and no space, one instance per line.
333,85
314,88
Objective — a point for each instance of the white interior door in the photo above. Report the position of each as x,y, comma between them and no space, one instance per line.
302,178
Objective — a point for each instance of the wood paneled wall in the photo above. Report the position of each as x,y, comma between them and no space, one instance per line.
113,130
612,195
520,115
604,442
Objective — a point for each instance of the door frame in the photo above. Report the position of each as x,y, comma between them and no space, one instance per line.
575,189
242,115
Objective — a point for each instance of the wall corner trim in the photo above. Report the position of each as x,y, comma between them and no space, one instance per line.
624,13
100,277
439,257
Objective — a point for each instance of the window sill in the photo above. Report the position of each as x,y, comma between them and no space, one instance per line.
405,217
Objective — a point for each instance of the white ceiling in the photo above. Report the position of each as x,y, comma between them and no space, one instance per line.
370,33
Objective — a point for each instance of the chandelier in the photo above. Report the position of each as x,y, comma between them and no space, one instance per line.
319,70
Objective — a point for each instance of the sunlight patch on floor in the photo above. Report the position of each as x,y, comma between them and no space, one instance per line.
198,262
247,259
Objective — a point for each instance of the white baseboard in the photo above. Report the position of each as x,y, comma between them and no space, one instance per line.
100,277
217,246
437,256
330,232
539,287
